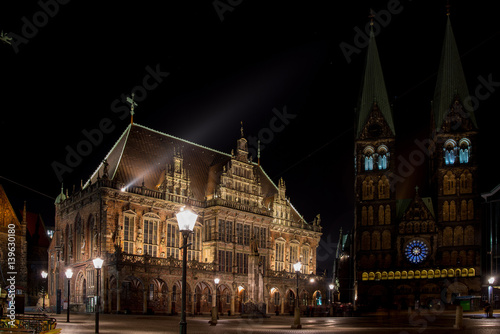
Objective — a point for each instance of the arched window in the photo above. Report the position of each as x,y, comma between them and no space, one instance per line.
446,211
368,157
364,215
376,240
381,213
464,150
466,182
469,235
368,189
370,215
450,151
449,184
279,256
383,157
453,211
448,236
387,215
383,188
470,209
458,236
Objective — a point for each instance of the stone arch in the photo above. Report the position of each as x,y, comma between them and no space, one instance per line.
275,297
223,299
157,297
317,298
203,297
80,294
290,301
242,297
132,294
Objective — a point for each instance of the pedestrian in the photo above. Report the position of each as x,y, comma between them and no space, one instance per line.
487,308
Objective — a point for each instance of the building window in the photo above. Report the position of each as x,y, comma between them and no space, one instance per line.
279,262
246,235
229,231
242,263
368,189
128,234
450,152
222,230
304,258
368,158
239,233
263,237
464,150
194,249
466,182
383,155
172,240
151,236
225,261
449,183
383,188
294,255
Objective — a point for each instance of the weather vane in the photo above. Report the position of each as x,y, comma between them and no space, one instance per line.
132,105
5,38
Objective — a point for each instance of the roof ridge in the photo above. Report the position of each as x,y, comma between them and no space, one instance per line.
184,140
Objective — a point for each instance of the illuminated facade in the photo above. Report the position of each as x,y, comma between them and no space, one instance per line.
422,250
247,234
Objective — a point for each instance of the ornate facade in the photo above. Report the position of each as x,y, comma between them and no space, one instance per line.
422,250
247,234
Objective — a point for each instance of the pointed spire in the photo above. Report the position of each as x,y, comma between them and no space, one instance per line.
451,81
133,104
241,129
373,87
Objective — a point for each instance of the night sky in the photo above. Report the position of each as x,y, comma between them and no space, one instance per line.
230,61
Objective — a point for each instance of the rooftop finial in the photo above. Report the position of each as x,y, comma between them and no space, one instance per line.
241,129
448,6
132,105
258,152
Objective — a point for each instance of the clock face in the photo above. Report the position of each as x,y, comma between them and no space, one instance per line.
416,251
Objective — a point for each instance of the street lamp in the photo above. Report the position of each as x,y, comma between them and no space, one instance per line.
44,276
98,265
69,274
491,280
215,309
186,220
331,286
296,320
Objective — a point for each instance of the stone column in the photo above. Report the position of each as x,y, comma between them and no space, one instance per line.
169,302
145,301
282,305
193,304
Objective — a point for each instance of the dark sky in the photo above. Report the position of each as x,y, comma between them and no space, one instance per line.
247,61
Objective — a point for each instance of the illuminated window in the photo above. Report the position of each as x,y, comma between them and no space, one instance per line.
279,263
383,155
128,234
464,150
450,152
150,236
368,158
416,251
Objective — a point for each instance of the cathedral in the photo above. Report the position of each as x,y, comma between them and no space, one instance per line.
248,234
425,250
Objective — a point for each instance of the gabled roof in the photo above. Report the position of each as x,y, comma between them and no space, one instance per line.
403,205
450,81
141,154
36,229
373,89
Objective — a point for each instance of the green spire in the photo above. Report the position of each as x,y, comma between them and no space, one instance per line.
373,89
450,81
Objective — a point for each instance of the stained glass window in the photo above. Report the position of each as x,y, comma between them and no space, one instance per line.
416,251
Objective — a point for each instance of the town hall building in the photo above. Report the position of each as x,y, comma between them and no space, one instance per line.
248,234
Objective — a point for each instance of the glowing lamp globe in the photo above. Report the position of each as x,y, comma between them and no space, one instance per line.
216,281
297,266
44,274
331,286
69,273
491,280
98,263
186,219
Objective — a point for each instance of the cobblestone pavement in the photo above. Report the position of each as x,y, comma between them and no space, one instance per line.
396,323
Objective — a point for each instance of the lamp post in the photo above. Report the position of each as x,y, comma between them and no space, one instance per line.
97,265
44,276
296,318
215,309
69,274
186,220
491,280
331,286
